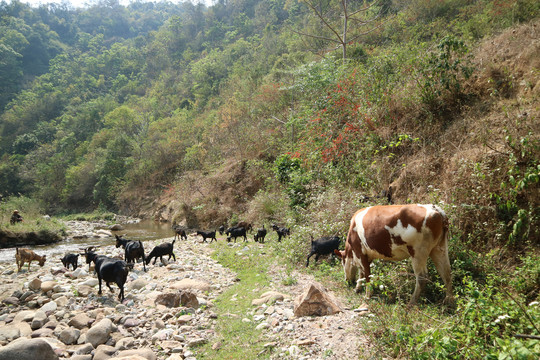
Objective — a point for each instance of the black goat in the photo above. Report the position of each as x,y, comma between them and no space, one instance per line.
179,233
70,259
207,235
236,232
323,246
221,229
133,250
161,250
245,225
109,270
281,231
260,235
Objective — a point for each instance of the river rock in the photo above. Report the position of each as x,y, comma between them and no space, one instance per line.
84,290
316,301
9,333
103,233
84,349
131,322
69,336
61,300
93,282
43,332
184,319
25,315
189,299
79,272
137,284
40,318
190,284
144,353
99,333
81,357
11,300
196,342
104,352
176,357
80,321
49,307
168,300
268,297
34,284
25,349
116,227
47,286
125,343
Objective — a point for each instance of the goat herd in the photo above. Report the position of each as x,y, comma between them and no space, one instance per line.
114,270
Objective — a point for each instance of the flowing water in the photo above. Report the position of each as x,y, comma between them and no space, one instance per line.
144,230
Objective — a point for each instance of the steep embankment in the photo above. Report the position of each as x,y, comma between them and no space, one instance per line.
463,156
11,238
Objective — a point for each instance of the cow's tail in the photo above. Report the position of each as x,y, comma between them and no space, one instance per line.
445,226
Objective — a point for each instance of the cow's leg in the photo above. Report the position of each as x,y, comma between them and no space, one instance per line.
419,262
439,255
365,273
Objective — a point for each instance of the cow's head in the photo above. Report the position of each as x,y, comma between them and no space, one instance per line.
350,270
42,260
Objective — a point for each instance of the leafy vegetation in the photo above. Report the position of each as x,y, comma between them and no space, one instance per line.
228,112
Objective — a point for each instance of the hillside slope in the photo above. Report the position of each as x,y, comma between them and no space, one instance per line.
465,159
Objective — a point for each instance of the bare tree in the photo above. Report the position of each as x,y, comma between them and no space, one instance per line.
357,18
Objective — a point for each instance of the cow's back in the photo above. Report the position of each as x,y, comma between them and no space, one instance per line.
394,231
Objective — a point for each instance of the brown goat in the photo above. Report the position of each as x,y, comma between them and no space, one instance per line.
27,255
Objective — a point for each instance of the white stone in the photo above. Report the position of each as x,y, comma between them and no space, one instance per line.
49,307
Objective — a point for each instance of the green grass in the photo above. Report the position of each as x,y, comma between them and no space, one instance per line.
93,216
239,339
33,217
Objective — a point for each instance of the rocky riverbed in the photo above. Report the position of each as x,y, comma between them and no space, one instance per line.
168,312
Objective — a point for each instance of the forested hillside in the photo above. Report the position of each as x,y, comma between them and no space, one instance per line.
261,109
224,110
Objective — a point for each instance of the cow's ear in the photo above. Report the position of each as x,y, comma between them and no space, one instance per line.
339,253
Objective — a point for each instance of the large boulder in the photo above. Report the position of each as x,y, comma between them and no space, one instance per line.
316,301
25,349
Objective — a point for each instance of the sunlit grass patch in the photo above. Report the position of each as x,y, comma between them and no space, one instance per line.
236,333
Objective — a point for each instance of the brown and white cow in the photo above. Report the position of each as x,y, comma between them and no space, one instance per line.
397,232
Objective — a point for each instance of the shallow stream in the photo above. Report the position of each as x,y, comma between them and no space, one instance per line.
144,230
